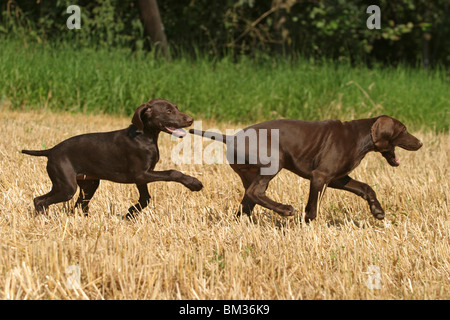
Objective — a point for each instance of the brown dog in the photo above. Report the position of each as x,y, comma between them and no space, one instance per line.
125,156
324,152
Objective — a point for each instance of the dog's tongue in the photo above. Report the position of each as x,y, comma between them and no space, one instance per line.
176,131
397,161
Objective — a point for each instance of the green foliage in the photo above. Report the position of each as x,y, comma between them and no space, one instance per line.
116,81
105,23
321,28
232,60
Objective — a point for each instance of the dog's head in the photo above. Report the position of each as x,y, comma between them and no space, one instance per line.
388,133
161,115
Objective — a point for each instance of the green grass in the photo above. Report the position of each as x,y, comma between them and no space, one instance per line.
116,81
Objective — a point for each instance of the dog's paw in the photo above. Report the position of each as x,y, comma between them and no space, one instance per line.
194,184
129,216
377,211
287,211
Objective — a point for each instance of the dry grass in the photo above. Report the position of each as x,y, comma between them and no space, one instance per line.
189,245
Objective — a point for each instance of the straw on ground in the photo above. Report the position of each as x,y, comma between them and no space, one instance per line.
189,245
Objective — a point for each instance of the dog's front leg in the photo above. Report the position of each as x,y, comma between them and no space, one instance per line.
144,199
363,190
189,182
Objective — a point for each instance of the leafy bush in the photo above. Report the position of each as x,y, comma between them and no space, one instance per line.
410,29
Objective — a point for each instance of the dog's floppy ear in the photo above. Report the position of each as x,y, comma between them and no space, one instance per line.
382,132
137,117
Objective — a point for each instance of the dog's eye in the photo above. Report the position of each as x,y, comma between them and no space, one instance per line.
169,111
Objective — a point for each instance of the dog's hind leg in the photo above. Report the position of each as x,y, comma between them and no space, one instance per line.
256,192
247,176
64,182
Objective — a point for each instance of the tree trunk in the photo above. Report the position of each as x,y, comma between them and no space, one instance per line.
153,26
426,37
279,19
282,35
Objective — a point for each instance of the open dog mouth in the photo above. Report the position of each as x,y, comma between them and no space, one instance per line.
180,133
391,158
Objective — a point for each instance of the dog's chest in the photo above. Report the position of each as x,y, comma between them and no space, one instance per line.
153,155
354,164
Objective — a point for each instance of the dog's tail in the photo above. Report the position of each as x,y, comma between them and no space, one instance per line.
38,153
211,135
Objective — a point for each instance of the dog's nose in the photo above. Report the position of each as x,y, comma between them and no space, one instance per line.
189,120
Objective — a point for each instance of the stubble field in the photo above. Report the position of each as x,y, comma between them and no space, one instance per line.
189,245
